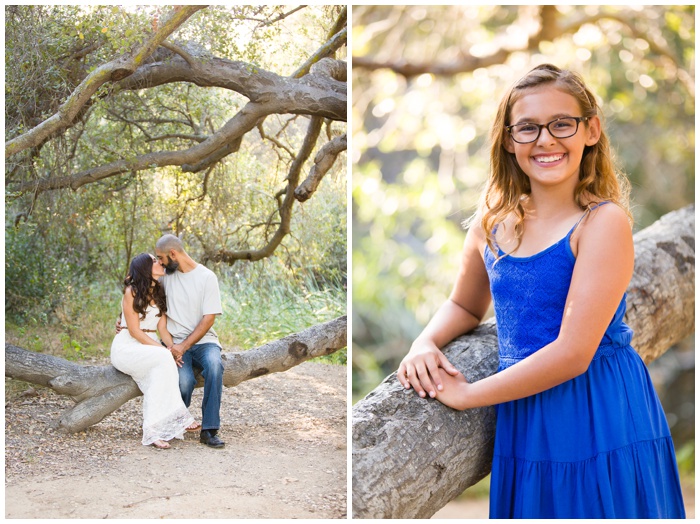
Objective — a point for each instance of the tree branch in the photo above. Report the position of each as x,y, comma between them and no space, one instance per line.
314,94
550,29
285,209
195,138
99,390
411,456
235,128
264,23
231,147
325,158
325,51
180,51
272,139
110,72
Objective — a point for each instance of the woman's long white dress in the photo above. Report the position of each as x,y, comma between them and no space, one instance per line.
153,368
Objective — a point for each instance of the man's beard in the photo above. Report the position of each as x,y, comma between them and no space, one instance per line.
171,266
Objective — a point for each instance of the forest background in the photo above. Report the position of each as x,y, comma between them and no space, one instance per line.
426,84
67,250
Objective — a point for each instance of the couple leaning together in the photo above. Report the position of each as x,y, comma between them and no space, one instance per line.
172,297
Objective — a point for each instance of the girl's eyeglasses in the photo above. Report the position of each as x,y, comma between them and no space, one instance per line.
559,128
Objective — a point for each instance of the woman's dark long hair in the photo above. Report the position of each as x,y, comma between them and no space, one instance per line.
141,280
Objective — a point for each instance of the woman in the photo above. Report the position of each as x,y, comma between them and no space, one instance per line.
136,351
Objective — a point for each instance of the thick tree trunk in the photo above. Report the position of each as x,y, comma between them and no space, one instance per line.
99,390
411,456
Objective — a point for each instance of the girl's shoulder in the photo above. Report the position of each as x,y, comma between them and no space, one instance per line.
604,222
476,236
606,213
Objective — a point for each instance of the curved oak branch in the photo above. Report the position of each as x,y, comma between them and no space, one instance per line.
99,390
110,72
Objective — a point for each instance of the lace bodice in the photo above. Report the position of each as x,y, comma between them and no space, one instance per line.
150,322
529,295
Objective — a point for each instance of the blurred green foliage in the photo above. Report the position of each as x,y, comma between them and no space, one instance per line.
420,142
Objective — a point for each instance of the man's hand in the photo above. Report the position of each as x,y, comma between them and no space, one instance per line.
118,326
177,350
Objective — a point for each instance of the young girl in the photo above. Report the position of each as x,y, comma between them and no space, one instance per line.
137,352
580,432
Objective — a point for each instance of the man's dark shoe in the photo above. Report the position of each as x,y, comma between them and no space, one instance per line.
208,437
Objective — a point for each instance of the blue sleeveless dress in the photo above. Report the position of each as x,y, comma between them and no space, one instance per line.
596,446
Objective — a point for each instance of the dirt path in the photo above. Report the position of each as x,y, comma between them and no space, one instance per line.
285,457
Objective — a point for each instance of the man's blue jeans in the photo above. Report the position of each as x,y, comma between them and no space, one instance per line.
207,359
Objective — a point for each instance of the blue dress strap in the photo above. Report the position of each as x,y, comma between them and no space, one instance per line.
587,212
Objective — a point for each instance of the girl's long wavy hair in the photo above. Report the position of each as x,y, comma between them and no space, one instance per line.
507,183
144,287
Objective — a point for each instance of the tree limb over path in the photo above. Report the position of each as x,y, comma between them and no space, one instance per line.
314,94
99,390
109,72
411,456
194,141
318,88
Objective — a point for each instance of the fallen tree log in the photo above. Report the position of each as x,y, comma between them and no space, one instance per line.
99,390
411,456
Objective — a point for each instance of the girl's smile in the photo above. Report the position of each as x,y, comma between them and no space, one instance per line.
549,160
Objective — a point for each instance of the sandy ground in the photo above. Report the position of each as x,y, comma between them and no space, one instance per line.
285,456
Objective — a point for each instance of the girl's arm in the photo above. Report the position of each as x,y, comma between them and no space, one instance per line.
133,323
603,270
461,313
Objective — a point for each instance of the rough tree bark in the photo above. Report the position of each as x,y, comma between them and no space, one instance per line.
411,456
99,390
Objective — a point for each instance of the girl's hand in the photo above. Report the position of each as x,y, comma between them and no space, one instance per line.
420,368
455,390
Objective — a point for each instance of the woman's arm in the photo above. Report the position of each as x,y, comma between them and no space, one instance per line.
603,270
165,335
133,323
461,313
167,338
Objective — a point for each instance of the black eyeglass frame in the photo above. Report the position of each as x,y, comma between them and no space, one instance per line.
578,119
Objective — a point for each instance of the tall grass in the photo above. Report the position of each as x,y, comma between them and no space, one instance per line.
267,310
256,311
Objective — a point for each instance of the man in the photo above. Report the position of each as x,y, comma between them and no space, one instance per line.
193,300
